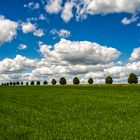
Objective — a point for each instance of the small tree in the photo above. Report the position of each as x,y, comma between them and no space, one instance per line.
27,83
38,83
76,81
14,83
32,83
45,83
53,82
21,83
90,81
62,81
132,79
108,80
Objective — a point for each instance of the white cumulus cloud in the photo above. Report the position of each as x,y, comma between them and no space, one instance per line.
8,29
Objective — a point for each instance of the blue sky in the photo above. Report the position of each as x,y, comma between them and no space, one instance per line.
46,22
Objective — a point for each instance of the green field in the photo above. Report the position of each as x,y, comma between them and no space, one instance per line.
70,112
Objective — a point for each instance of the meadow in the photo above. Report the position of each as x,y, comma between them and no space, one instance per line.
70,112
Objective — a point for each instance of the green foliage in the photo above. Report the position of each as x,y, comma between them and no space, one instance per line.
76,81
90,81
32,83
108,80
45,83
17,83
38,83
53,82
27,83
62,81
132,79
70,112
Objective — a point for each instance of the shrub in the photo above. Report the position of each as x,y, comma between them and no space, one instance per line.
108,80
132,79
90,81
62,81
53,82
76,81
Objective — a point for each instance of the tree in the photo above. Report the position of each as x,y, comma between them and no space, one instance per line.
76,81
90,81
53,82
21,83
109,80
32,83
11,83
45,83
14,83
17,83
27,83
38,83
132,79
62,81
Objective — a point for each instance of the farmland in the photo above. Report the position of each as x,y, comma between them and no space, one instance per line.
70,112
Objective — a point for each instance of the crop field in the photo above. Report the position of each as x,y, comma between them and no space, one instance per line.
70,112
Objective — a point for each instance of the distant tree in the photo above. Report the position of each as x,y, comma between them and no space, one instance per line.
11,83
7,84
90,81
53,82
14,83
62,81
17,83
45,83
132,79
32,83
2,84
76,81
108,80
21,83
27,83
38,83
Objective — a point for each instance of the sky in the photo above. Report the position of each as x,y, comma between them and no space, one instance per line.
46,39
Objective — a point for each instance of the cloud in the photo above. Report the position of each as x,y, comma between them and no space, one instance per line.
127,21
53,6
8,30
81,52
39,32
28,27
22,47
135,56
67,12
32,5
63,33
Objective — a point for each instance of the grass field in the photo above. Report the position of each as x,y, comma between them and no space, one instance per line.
70,113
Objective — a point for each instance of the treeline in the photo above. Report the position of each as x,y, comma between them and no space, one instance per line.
132,79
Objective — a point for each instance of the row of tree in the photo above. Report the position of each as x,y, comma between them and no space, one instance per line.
132,79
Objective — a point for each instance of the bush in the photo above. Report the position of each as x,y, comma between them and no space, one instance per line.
90,81
108,80
132,79
38,83
76,81
53,82
62,81
32,83
45,83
